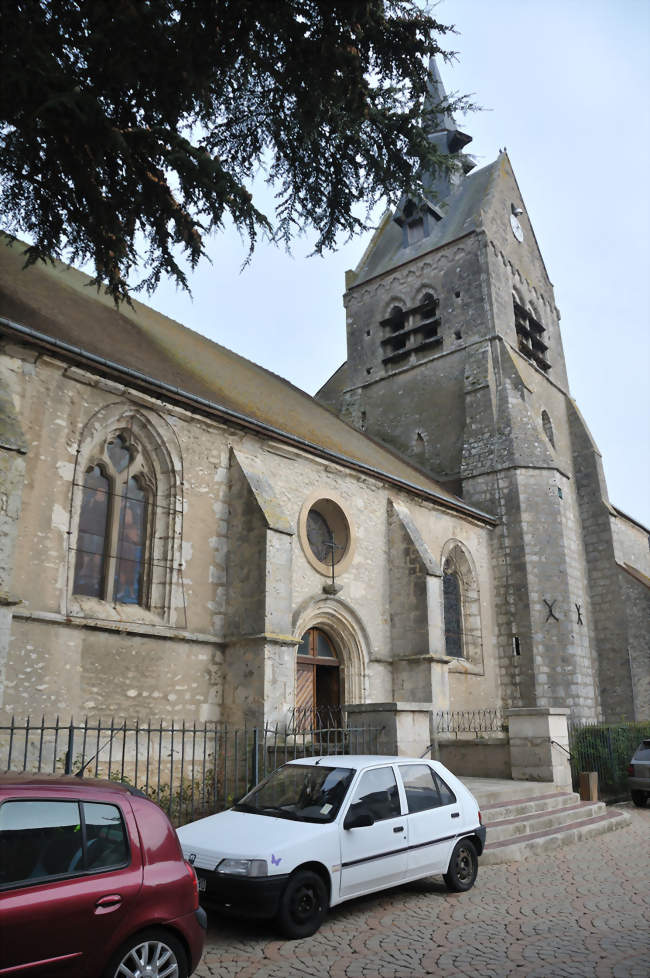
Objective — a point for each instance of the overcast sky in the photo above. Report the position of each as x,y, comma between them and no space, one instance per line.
565,87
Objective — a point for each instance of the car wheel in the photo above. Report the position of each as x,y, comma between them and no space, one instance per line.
639,798
154,953
463,867
303,904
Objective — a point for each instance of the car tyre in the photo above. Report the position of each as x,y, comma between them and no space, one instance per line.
639,798
303,904
157,948
463,867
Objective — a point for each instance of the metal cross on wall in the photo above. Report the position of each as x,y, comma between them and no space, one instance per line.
332,545
549,607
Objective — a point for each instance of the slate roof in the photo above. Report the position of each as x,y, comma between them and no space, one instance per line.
58,302
462,214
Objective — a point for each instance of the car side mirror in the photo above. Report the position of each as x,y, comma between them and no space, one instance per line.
358,820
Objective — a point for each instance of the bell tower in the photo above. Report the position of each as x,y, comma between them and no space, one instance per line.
455,360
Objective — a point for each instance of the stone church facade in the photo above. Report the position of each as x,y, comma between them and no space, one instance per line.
183,534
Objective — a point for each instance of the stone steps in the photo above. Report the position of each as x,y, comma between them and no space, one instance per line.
525,819
540,821
516,807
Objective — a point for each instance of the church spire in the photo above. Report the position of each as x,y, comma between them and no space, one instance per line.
417,217
437,120
440,128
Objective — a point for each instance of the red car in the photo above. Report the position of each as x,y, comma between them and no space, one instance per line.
92,883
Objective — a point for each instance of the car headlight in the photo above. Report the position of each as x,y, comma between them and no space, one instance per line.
243,867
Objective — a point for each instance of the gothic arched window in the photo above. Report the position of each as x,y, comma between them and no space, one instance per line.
115,523
461,607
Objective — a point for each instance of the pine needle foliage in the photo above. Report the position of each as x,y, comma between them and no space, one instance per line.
131,121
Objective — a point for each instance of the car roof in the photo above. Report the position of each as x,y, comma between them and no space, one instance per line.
26,779
357,761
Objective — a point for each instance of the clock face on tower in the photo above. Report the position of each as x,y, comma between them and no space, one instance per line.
517,229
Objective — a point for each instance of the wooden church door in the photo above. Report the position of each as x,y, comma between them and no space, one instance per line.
318,686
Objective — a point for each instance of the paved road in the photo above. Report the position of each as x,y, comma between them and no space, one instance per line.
582,910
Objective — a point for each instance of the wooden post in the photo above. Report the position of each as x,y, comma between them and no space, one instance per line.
589,786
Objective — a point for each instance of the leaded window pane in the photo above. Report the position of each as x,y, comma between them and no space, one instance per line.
319,536
91,541
323,647
453,615
119,452
129,569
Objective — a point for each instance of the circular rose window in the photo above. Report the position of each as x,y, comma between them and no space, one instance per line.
325,535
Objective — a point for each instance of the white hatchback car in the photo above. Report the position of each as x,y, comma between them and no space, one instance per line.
321,830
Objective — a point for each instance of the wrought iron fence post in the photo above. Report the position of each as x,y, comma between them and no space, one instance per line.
69,751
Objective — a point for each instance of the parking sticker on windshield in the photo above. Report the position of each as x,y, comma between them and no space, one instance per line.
326,809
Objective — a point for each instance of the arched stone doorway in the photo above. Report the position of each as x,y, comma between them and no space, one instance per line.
319,681
348,640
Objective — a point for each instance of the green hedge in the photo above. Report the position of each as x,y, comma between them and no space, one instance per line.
606,748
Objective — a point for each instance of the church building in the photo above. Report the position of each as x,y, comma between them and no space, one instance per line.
186,535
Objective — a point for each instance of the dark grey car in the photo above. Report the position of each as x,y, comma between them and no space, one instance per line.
639,774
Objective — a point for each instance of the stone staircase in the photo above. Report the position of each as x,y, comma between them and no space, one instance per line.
525,818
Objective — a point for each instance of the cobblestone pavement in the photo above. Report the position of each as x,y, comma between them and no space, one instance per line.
581,910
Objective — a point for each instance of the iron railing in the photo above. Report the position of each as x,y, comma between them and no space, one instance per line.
189,769
454,722
315,718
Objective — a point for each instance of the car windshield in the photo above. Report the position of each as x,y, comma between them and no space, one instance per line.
302,792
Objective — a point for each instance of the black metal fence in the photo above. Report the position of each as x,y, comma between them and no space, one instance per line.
606,748
189,769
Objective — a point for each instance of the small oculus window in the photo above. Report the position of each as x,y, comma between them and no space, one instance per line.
325,535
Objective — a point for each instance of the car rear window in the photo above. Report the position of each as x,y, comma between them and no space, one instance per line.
424,788
53,839
105,836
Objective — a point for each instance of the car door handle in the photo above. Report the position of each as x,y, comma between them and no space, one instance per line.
455,814
398,828
107,903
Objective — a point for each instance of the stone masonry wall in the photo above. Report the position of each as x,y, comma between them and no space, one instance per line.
74,656
636,596
418,409
607,600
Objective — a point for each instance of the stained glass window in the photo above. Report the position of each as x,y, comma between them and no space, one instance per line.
112,542
130,545
119,452
453,615
92,539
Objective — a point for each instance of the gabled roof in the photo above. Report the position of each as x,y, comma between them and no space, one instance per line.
54,306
